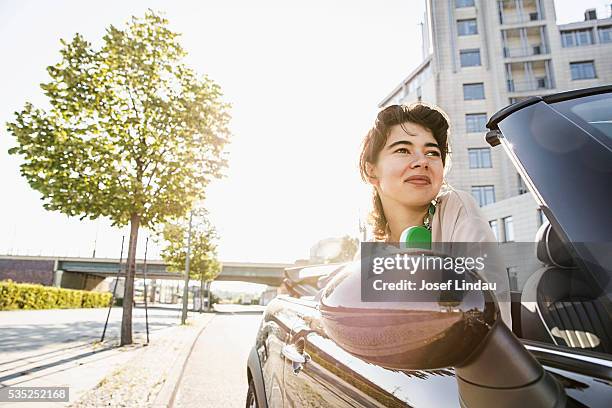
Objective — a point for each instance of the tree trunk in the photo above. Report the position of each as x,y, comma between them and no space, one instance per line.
201,290
208,284
153,290
128,295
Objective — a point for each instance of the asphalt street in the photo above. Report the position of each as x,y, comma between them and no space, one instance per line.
215,374
25,331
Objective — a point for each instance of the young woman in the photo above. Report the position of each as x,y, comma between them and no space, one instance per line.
405,157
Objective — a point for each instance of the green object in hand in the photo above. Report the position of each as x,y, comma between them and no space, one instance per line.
415,237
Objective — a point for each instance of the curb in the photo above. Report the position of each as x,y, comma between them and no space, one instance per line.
167,394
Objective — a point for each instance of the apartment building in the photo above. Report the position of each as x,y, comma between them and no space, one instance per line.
482,55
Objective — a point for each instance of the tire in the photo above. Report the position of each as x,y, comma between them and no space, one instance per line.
251,399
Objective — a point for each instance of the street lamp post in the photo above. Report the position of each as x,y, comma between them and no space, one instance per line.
186,288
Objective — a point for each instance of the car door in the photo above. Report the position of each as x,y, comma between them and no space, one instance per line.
272,337
332,377
328,376
305,384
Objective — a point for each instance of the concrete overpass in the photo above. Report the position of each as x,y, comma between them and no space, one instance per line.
86,273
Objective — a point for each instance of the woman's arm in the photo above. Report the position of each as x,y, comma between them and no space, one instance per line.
472,228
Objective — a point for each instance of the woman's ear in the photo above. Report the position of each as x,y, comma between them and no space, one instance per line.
371,173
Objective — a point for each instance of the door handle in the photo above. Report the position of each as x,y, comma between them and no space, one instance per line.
297,358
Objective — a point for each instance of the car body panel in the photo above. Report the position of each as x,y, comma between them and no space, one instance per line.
273,333
254,367
335,378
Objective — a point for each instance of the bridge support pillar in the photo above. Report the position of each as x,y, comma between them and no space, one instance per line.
57,278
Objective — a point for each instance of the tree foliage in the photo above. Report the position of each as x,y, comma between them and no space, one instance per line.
203,263
131,132
348,248
130,129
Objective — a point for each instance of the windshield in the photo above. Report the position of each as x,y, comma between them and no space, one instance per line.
594,113
564,150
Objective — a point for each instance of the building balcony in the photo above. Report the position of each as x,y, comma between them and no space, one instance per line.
528,51
519,18
519,11
528,85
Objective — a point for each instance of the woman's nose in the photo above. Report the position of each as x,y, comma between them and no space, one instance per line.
419,160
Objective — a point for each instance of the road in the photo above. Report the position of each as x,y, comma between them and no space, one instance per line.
35,330
215,374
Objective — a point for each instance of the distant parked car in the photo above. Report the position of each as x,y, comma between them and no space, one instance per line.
321,346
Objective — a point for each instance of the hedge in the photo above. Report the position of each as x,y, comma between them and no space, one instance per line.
29,296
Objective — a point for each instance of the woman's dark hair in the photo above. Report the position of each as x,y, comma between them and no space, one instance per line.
430,117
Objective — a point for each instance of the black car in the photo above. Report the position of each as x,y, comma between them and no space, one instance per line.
321,346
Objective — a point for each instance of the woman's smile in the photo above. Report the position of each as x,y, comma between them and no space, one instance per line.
418,180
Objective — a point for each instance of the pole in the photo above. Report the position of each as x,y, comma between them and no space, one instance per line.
144,272
208,294
96,239
186,288
201,289
114,289
363,230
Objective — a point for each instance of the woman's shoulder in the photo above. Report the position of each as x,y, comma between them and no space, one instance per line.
459,202
460,219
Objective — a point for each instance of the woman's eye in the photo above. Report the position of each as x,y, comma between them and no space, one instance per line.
402,150
433,153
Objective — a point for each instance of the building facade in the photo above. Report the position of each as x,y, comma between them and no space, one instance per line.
482,55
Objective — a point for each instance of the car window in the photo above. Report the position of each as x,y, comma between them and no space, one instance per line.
592,112
597,113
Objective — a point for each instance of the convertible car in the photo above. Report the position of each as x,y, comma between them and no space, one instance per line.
320,345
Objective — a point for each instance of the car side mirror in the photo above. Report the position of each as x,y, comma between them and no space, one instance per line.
421,333
463,330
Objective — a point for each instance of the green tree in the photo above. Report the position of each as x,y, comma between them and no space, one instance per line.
131,133
348,249
203,263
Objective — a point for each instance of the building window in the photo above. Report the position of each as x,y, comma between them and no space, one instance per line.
480,158
513,278
583,70
473,91
495,227
470,58
522,187
542,83
467,27
605,34
484,195
567,39
475,122
464,3
576,38
508,229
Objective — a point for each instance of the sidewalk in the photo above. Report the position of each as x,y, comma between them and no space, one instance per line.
150,377
103,374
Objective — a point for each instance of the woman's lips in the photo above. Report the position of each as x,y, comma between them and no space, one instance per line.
418,180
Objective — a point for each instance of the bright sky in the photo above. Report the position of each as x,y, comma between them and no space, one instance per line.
304,79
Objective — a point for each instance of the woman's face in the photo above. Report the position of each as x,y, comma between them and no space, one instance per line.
409,168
